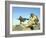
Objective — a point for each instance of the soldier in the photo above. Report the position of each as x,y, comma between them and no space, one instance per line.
32,21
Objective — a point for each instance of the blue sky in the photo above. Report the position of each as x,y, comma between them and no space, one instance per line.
24,12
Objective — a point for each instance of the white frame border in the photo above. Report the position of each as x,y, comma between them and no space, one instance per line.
22,32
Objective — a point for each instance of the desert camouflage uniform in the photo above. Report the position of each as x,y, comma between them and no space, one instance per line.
33,21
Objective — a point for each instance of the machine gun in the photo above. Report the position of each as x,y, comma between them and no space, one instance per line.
22,19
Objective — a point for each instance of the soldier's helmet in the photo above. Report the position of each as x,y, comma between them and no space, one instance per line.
32,14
